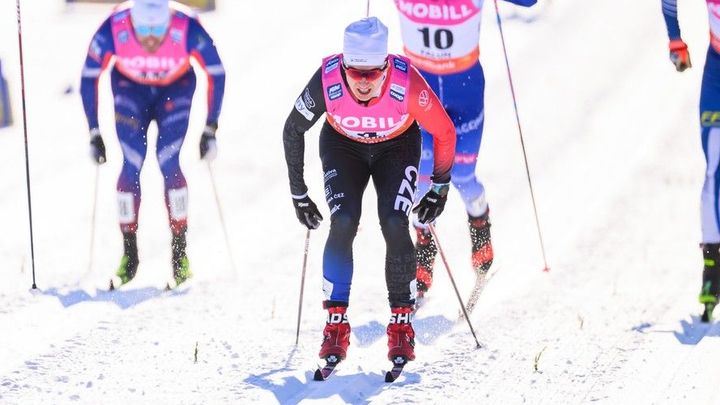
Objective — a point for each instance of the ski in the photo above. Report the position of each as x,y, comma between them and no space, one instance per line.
481,281
420,301
399,363
477,290
323,373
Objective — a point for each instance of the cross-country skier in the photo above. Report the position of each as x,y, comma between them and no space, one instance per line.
710,133
151,43
441,38
373,102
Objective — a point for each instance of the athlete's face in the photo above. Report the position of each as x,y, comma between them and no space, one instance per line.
365,82
150,37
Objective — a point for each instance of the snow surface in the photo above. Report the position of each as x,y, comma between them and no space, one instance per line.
613,145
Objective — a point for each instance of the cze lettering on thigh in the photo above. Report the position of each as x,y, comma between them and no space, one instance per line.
404,199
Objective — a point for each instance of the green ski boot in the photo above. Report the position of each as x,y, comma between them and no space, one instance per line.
711,279
180,262
128,263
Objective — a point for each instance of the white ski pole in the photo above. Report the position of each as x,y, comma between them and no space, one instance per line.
452,280
522,139
302,285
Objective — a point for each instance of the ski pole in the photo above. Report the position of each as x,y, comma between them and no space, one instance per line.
367,10
92,225
222,218
302,285
522,139
452,280
27,156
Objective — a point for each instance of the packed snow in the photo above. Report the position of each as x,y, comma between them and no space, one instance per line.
612,140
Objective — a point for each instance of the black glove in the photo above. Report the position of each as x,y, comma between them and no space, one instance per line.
97,147
208,143
307,212
432,204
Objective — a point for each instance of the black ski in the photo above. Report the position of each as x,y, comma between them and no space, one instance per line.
399,363
323,373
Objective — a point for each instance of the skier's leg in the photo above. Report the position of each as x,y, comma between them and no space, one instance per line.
172,113
468,114
132,118
131,123
710,201
394,173
346,176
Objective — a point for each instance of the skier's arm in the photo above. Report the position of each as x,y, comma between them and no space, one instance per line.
679,54
98,57
669,9
309,107
427,110
202,48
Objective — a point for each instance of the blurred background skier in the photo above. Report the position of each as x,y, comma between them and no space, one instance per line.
441,38
710,134
151,42
372,100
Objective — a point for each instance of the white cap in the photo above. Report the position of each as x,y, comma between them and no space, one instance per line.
152,13
365,43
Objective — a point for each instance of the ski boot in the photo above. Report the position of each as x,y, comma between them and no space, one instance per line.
425,252
711,279
180,262
128,263
482,251
401,336
336,339
336,335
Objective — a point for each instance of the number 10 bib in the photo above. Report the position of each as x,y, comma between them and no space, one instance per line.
441,36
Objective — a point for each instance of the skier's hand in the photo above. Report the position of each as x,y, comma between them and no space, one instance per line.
97,147
679,55
307,212
432,204
208,143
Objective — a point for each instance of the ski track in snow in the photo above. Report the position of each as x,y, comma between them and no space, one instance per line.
611,136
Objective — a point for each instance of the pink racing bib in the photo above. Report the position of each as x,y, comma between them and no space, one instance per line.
384,119
162,67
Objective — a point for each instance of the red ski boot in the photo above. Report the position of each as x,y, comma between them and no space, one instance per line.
336,335
482,251
401,336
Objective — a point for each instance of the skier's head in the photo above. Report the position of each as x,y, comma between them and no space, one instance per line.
150,17
365,43
365,57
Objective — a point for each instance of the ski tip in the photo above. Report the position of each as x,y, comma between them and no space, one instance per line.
546,269
112,286
318,375
389,377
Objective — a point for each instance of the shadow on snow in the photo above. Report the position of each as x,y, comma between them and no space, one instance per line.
691,333
427,330
356,388
122,298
